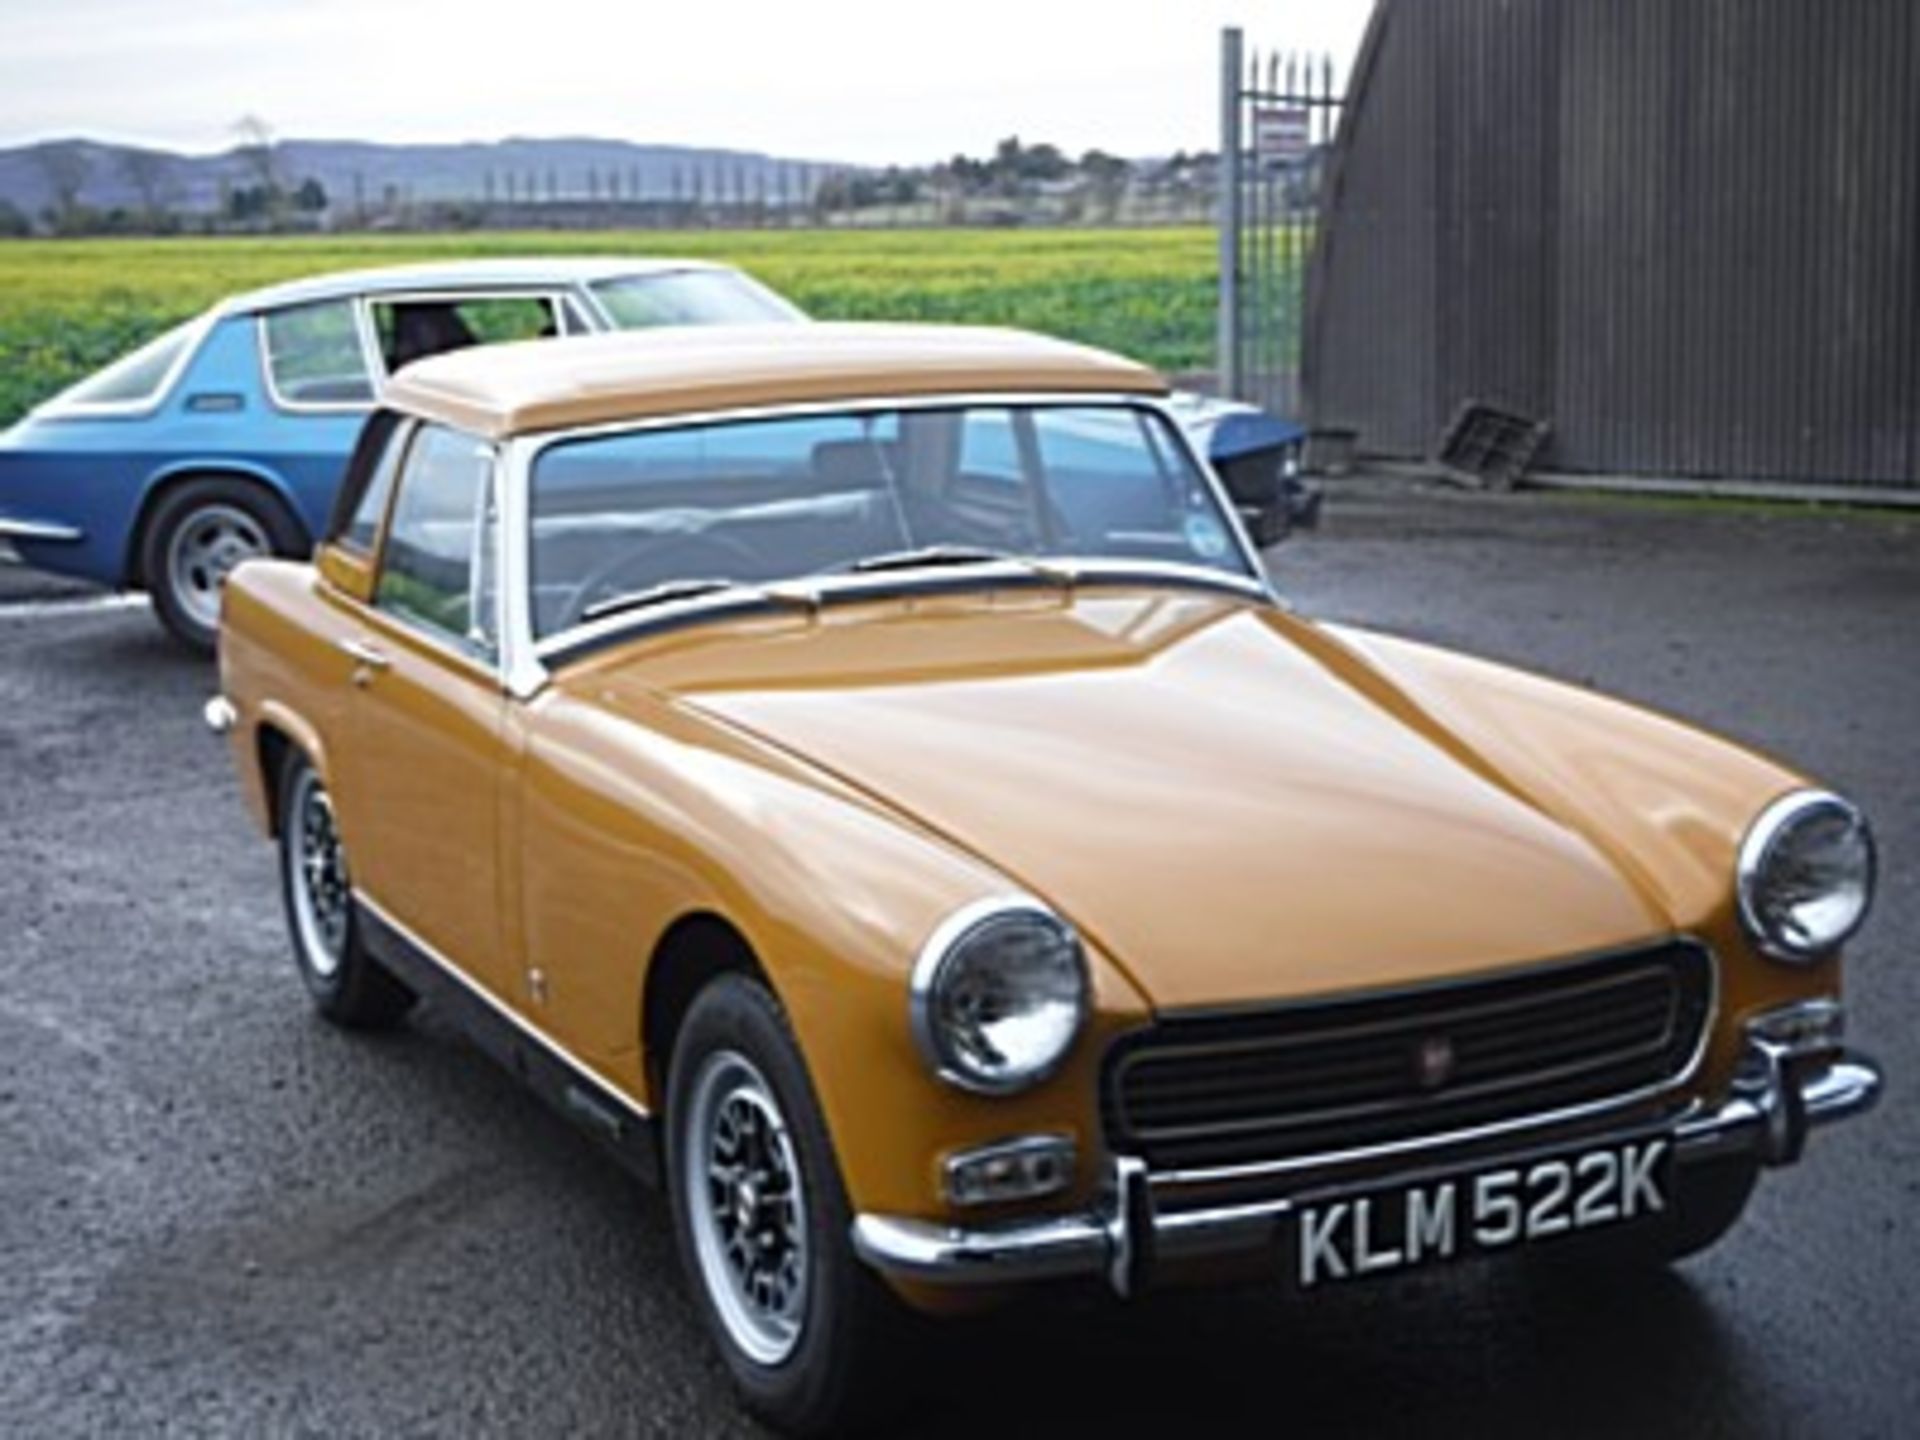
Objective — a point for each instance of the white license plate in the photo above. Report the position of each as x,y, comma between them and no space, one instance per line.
1399,1227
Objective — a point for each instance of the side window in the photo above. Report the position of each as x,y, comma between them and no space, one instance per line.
411,330
135,379
363,526
436,571
314,355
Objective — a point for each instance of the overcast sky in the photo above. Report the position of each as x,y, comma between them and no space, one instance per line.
867,81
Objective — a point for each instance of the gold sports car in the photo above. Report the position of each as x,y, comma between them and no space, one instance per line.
868,780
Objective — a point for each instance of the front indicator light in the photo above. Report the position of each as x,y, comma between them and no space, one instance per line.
1027,1168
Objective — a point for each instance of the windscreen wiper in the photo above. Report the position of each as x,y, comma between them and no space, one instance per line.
927,555
663,593
1062,573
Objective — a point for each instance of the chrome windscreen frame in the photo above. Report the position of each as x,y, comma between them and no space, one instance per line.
527,661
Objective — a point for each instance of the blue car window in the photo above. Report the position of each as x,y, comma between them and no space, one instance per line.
689,297
428,573
134,379
314,355
409,329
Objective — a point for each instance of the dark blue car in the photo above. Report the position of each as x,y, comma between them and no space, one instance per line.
226,438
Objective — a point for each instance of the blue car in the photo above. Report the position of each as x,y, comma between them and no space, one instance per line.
226,438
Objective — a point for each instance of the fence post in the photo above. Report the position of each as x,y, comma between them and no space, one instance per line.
1229,206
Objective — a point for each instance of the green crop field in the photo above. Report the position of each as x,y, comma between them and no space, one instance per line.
68,306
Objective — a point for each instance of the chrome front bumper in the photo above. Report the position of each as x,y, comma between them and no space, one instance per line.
1783,1091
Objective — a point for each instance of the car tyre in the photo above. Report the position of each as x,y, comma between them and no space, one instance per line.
195,537
348,986
813,1339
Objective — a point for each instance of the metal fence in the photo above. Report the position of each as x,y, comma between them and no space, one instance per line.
1279,113
1685,236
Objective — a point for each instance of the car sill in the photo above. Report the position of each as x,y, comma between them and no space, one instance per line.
623,1126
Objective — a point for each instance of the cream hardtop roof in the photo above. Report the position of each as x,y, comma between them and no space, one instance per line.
497,391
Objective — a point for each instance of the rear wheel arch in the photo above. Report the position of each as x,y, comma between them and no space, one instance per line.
269,489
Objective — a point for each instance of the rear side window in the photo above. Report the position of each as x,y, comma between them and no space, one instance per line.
437,569
135,379
314,355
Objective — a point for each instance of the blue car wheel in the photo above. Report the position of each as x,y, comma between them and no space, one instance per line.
198,533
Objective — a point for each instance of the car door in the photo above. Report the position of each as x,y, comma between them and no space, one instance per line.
427,749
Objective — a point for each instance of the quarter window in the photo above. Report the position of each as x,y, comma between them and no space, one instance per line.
437,571
314,355
135,379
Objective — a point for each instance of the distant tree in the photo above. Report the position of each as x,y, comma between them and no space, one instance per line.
257,157
65,168
256,150
1106,178
151,174
311,196
14,223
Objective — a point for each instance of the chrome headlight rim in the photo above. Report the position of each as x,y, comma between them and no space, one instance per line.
1757,848
945,941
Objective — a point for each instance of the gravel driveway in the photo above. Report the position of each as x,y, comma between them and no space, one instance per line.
218,1215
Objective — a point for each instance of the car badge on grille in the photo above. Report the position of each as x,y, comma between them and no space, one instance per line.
1433,1062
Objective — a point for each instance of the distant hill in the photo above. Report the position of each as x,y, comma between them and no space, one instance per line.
355,171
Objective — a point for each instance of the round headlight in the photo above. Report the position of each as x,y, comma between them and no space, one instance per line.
999,995
1806,875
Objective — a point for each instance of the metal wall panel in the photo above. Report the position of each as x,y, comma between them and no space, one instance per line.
1686,232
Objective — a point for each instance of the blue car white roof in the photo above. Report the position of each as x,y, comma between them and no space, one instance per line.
495,274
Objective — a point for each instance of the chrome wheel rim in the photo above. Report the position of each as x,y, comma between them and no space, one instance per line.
747,1206
317,877
205,548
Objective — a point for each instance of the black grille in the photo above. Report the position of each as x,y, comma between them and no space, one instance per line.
1268,1085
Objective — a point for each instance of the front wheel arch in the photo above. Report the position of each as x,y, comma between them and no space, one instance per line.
695,950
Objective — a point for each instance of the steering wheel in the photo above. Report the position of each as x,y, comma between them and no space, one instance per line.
603,579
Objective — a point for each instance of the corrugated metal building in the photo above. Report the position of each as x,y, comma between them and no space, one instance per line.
1685,232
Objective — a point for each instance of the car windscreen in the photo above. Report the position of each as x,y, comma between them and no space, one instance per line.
757,501
690,297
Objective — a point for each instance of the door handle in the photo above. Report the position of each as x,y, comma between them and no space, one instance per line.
368,659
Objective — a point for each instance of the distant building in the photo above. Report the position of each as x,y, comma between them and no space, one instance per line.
1685,232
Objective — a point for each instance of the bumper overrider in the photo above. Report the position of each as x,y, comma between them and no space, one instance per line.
1793,1077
